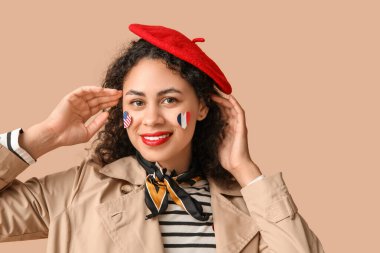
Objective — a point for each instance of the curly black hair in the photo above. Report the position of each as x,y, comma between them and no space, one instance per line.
113,141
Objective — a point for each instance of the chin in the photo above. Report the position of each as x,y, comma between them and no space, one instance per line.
155,156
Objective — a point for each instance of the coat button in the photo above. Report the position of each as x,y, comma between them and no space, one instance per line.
126,188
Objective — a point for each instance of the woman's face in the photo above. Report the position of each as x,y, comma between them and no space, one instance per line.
154,96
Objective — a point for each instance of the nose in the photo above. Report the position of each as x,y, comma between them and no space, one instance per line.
152,116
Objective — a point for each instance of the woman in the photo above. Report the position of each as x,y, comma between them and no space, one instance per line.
170,172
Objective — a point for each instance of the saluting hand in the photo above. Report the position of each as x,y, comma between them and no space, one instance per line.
66,124
68,119
233,152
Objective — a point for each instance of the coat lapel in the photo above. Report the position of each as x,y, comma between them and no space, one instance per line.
124,217
234,228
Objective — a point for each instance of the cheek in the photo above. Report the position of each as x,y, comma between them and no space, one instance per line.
133,127
185,126
136,123
184,119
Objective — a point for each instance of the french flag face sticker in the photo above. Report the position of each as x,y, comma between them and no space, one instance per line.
127,119
183,119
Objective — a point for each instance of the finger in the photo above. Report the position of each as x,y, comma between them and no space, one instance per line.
235,103
224,115
224,105
230,123
229,114
232,119
222,101
239,112
94,89
87,112
104,93
84,90
96,109
89,92
103,99
80,96
96,124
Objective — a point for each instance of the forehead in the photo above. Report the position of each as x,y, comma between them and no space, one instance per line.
154,75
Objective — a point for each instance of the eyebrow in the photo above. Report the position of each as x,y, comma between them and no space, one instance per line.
160,93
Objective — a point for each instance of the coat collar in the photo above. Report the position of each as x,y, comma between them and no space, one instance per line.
135,174
126,168
234,228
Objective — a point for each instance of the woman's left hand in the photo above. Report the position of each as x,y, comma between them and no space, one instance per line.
233,151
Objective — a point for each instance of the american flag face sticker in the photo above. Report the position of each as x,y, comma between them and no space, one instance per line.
127,119
183,119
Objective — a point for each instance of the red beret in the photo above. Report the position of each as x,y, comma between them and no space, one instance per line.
182,47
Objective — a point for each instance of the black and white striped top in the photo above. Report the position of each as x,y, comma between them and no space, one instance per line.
181,233
10,141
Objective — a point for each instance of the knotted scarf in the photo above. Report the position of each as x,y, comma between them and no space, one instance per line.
158,184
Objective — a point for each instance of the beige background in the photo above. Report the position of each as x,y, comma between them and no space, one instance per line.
306,72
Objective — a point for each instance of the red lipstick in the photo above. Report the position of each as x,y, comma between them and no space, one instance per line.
155,139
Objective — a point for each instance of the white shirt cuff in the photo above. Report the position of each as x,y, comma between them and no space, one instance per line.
10,141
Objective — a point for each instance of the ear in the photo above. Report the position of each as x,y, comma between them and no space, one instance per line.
203,110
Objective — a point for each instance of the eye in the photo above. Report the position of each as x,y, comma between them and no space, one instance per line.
137,103
170,100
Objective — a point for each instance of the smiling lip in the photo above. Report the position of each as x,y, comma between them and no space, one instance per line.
156,139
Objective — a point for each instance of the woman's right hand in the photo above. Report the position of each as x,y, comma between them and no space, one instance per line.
66,123
68,118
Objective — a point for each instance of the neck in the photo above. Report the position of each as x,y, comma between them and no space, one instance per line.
180,163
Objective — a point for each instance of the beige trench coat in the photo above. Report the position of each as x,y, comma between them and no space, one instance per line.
90,208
